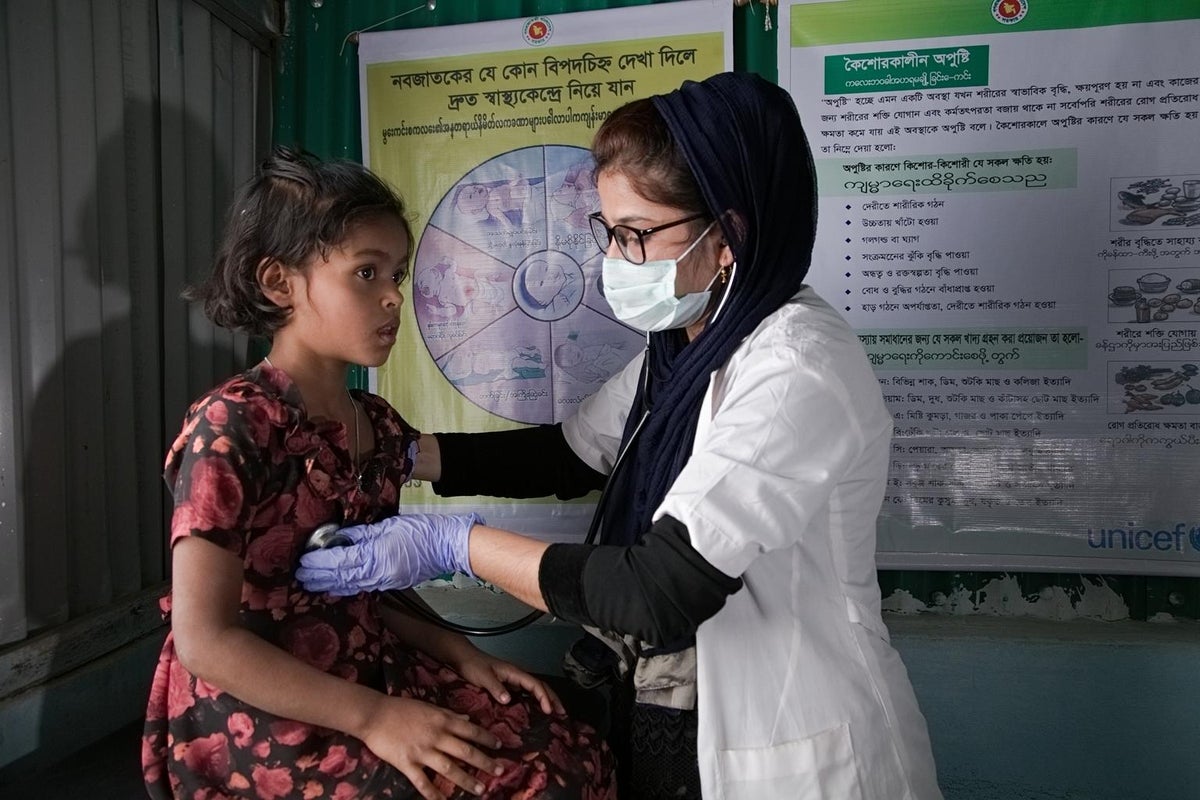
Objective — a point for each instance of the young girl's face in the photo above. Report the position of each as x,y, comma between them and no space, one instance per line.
347,306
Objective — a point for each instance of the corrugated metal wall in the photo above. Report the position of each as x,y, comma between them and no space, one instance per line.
129,122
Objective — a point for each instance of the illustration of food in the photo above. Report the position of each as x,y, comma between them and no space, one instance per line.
1131,200
1123,295
1157,201
1144,216
1153,282
1149,388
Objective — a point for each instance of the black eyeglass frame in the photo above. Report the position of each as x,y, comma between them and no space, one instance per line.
610,234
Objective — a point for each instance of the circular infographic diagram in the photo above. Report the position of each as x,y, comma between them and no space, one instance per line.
507,291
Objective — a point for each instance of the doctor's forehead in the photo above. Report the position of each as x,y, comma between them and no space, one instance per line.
620,201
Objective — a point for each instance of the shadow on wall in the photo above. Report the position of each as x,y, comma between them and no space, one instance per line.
106,408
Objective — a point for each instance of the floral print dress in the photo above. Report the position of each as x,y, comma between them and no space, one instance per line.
252,474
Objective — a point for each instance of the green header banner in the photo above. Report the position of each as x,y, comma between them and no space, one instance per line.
845,21
940,68
1019,171
974,348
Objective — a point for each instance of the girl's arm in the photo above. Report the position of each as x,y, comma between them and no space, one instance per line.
212,645
457,651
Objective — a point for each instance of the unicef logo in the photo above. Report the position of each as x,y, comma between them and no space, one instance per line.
1173,539
1009,12
538,31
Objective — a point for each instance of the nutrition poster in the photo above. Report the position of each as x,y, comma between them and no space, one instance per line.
1010,218
485,129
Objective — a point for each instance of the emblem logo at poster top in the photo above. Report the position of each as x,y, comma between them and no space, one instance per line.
538,31
1009,12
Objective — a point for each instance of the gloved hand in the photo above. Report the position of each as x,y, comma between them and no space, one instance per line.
394,553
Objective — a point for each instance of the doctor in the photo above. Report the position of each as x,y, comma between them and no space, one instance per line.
736,572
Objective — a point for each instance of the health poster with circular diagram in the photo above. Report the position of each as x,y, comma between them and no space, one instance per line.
507,289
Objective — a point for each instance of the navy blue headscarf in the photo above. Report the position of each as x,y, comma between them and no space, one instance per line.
742,138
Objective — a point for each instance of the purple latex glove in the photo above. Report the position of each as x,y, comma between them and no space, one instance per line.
394,553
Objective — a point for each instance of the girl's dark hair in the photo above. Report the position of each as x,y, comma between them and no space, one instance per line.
634,140
294,206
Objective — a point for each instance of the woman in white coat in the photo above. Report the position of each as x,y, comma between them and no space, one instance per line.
748,451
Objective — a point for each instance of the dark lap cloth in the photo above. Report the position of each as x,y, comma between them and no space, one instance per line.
655,749
222,748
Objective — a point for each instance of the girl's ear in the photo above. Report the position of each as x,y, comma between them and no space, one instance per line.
274,279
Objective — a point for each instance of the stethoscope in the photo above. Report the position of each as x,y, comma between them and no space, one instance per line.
330,535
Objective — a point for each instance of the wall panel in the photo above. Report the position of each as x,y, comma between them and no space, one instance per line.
128,124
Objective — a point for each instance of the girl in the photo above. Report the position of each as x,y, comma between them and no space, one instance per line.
264,690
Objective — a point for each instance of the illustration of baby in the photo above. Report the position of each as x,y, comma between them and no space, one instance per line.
578,193
510,200
469,366
450,290
472,205
527,362
547,290
590,363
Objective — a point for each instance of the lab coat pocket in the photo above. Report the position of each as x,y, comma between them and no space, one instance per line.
860,616
821,767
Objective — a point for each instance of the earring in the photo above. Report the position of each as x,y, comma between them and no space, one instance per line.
723,275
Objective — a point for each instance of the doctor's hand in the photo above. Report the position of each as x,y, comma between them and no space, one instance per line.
394,553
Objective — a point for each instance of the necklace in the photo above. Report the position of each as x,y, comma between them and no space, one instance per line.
355,467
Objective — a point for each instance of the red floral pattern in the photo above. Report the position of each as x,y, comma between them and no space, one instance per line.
252,474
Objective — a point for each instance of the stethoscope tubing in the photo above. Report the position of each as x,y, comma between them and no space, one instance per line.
329,535
593,526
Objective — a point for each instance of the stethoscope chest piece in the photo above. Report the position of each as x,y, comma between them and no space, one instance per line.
327,535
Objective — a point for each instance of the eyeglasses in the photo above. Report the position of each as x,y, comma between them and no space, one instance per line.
630,241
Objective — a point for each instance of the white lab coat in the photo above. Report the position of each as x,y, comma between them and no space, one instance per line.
800,694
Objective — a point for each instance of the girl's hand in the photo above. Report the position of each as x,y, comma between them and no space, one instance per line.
413,736
491,673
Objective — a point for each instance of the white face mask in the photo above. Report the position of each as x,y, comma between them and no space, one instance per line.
643,295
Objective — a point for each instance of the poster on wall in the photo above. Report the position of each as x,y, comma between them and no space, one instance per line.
1010,218
485,129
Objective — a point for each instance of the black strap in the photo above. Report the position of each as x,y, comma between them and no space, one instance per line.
658,590
528,462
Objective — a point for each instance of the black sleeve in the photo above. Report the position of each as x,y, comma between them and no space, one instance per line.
659,590
529,462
